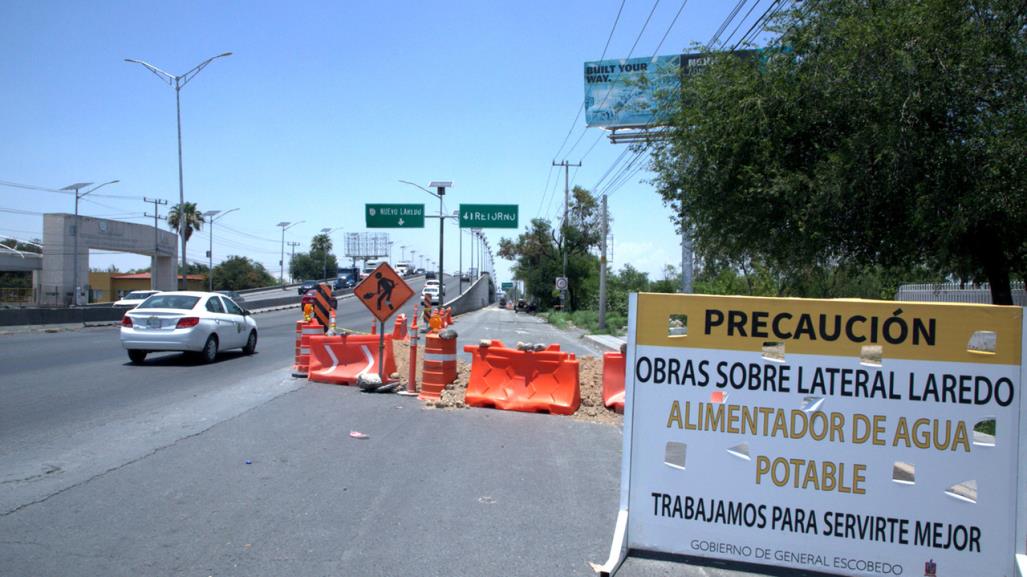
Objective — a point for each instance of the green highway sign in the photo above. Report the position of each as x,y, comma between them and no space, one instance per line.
507,286
488,215
394,215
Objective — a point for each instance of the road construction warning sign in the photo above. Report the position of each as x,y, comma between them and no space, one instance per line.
383,292
844,437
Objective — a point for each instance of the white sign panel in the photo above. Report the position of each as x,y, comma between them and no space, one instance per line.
843,437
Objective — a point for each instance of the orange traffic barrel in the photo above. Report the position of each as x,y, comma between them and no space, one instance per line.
303,333
439,367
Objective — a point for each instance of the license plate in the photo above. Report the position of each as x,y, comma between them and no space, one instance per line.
153,322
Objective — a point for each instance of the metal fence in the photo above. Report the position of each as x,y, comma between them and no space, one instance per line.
16,296
953,292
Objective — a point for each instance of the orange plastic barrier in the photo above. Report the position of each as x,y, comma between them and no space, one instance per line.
613,381
532,381
304,331
399,329
342,359
439,366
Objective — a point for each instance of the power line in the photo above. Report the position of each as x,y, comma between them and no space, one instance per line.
581,107
740,22
672,22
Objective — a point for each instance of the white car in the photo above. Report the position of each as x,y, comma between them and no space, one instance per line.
134,298
199,322
433,292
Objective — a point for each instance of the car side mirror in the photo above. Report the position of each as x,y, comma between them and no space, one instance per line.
246,312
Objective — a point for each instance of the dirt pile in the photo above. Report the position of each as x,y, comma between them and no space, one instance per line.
590,375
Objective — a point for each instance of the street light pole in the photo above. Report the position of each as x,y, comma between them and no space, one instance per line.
324,260
440,187
178,82
210,253
281,263
76,188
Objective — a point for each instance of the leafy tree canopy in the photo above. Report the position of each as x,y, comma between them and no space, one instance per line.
239,272
873,133
538,254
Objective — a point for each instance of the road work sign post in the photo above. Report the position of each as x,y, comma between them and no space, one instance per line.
844,437
383,292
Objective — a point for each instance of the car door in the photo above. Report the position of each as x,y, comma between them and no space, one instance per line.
234,315
223,325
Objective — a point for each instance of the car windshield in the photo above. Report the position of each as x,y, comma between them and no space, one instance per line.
171,301
137,295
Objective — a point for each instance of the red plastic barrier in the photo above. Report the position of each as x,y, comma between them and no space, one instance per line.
613,381
509,379
341,360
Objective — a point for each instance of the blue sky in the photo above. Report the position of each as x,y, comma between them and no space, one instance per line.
323,107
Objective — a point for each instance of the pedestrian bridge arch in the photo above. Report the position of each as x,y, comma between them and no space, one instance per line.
59,252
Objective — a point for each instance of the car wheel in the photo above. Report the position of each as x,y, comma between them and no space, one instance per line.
136,356
210,350
251,344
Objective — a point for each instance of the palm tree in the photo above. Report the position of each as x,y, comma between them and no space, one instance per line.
192,220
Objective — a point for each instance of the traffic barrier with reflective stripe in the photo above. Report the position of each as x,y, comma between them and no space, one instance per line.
439,368
613,381
342,359
324,303
531,381
304,331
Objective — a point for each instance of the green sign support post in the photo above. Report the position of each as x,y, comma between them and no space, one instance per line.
488,215
394,215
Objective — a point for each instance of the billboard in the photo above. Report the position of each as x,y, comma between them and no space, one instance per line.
620,93
625,93
842,437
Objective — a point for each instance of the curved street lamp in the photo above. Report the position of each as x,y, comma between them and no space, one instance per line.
281,263
211,214
78,186
177,82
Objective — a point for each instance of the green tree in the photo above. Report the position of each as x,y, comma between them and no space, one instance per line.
538,254
875,135
18,280
319,263
239,272
191,219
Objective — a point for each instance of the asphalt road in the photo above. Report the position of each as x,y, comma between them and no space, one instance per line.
236,468
66,395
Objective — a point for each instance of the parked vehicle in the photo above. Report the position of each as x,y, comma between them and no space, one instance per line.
198,322
134,299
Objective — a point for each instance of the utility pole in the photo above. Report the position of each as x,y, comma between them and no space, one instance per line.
156,238
563,241
602,268
292,256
